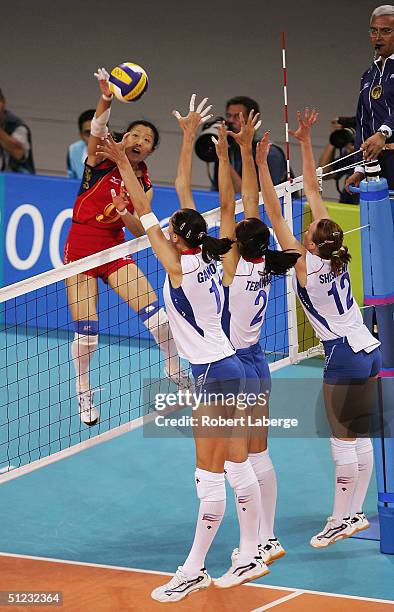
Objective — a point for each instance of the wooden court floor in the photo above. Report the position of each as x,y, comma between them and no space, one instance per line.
95,588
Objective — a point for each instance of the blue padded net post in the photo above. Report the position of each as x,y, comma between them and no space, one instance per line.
378,280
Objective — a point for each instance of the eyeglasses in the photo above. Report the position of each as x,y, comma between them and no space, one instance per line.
383,31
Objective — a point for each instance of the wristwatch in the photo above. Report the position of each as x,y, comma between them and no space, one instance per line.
385,132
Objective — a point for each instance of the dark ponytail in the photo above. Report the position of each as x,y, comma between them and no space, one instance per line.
328,237
253,238
192,227
278,263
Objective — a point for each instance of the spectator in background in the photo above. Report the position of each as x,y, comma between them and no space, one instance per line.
341,143
276,157
375,111
78,151
15,142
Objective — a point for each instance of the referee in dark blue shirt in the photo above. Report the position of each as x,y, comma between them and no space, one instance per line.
375,111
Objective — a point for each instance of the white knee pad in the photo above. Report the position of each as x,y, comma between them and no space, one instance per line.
261,462
158,318
84,343
343,451
239,475
363,445
211,486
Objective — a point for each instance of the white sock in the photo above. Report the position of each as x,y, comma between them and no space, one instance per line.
364,452
242,479
266,477
211,490
160,329
82,349
346,472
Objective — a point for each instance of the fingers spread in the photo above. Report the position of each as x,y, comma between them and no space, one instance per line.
191,104
201,105
205,111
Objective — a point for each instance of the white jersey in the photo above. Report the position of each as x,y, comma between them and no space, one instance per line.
195,310
329,304
246,303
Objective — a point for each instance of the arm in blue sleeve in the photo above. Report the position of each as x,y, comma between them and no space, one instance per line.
70,173
276,164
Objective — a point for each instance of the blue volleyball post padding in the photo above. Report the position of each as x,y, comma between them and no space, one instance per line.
378,278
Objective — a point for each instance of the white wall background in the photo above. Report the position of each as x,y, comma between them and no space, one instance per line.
50,49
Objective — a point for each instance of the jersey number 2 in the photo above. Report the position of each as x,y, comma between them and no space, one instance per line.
258,316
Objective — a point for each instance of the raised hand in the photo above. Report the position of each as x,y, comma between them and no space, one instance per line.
103,79
303,132
194,118
244,137
120,200
262,149
115,151
221,144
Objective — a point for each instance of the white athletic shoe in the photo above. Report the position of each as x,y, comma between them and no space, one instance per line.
359,522
238,574
331,533
180,586
88,412
271,550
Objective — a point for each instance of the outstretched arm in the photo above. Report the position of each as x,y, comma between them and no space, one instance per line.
163,249
311,186
250,188
227,206
189,125
99,129
272,205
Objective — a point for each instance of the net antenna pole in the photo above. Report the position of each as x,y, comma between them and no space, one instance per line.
286,113
288,214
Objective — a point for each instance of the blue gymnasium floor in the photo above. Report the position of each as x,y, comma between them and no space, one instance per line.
131,502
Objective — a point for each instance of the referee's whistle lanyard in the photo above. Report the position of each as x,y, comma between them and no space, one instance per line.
376,90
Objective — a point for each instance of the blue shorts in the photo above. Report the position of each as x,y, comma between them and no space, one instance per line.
344,365
257,373
226,376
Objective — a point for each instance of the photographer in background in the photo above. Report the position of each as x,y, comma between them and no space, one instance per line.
205,148
341,143
375,110
15,142
78,150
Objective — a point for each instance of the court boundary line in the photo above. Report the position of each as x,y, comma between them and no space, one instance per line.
159,573
279,601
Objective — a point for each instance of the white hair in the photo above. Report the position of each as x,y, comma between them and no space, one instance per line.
385,9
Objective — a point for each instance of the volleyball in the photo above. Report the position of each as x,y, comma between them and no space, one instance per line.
128,82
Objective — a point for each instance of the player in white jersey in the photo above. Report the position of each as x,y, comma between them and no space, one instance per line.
249,266
194,302
353,359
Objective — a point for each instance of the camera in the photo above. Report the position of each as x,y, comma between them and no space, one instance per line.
340,138
204,147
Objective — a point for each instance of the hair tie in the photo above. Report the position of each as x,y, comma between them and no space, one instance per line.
201,235
337,253
325,242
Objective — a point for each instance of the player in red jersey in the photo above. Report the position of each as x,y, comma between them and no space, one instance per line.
97,225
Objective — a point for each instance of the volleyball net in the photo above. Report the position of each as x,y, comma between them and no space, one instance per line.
39,414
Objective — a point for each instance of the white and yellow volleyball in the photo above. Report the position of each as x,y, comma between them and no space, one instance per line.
128,82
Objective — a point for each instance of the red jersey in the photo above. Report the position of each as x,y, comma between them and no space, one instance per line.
93,205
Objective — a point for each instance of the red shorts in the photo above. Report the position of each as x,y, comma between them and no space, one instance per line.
84,240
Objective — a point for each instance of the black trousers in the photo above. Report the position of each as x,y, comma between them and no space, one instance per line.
386,160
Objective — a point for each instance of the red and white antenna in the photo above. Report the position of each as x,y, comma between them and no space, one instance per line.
285,102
